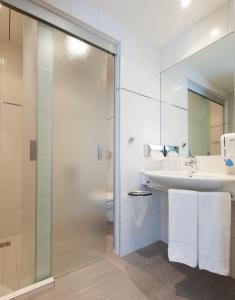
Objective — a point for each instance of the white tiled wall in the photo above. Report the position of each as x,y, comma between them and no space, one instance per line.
199,36
140,118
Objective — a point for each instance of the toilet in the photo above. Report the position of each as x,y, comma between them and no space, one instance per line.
109,205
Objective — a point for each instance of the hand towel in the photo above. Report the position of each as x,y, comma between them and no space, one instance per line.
183,220
214,232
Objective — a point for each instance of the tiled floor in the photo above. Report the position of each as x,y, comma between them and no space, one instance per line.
145,274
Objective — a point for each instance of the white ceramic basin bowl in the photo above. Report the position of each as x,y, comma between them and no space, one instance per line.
189,181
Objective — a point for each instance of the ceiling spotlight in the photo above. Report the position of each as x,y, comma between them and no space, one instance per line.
185,3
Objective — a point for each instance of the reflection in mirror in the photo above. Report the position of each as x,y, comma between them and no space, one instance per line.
205,123
197,99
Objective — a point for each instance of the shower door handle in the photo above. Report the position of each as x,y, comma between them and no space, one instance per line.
33,150
99,152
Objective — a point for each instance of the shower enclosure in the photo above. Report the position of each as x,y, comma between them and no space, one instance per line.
56,99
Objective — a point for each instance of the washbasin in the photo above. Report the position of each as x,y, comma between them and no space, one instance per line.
190,181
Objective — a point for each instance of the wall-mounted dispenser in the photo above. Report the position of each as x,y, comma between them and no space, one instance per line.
155,152
160,152
171,151
228,149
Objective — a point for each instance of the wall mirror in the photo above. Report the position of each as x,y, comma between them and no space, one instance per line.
197,99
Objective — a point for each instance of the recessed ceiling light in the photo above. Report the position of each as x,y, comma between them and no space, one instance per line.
185,3
215,32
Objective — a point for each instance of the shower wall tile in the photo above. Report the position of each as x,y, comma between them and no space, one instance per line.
12,57
11,79
4,29
11,117
10,195
10,222
11,144
10,170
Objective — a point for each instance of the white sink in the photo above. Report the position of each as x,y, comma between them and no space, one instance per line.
189,181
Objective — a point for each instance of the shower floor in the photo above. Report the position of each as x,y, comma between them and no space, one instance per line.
143,275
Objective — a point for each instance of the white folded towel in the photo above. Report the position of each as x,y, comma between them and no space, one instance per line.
214,232
183,223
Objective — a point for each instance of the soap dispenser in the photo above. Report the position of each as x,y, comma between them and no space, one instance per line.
228,149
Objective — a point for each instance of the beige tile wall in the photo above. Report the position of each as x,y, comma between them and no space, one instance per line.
11,145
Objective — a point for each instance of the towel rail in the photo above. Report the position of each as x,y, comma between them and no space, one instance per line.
164,189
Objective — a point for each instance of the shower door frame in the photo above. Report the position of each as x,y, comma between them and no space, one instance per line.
45,13
51,16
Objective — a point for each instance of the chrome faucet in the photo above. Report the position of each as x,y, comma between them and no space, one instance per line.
192,162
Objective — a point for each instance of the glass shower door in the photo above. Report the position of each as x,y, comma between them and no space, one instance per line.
79,148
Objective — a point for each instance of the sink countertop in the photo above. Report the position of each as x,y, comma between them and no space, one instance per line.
200,181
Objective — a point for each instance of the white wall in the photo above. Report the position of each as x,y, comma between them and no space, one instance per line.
140,115
199,36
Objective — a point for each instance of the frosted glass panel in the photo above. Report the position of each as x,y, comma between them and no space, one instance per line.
44,151
79,146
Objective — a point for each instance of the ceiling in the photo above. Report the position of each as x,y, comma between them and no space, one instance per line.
159,21
216,63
